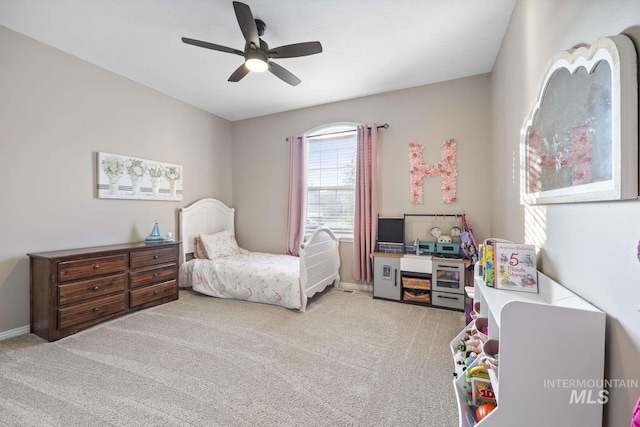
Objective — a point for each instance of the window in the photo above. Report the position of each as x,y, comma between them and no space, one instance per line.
331,180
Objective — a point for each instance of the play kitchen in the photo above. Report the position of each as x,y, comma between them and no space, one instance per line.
429,271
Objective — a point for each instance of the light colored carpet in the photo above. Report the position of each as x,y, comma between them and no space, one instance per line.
349,360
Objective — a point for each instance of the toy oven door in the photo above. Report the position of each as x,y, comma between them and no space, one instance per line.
448,277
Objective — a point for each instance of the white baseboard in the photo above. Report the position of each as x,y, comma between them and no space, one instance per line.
355,287
22,330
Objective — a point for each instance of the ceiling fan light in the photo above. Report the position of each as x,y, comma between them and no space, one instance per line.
257,65
256,61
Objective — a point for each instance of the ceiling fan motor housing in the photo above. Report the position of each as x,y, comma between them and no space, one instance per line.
261,26
253,58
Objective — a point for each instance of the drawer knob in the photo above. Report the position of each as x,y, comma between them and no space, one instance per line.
97,266
95,288
155,292
96,308
155,274
155,257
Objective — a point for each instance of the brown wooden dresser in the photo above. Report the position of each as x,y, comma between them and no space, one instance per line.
74,289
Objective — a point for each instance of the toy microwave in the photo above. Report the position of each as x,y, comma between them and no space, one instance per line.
448,247
425,248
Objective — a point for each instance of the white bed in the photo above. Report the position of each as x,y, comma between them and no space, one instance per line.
254,276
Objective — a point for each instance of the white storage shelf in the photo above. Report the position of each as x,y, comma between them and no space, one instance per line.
545,337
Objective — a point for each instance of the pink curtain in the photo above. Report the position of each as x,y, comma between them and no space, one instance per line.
365,227
297,195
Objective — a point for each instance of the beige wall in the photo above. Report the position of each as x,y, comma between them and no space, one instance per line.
588,247
56,113
458,109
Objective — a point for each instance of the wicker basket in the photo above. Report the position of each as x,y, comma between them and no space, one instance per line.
424,298
414,283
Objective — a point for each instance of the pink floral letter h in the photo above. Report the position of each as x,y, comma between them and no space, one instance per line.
446,169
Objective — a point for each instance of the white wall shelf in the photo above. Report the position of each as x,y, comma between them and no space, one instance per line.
545,338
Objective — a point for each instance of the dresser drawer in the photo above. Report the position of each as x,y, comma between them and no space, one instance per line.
150,293
91,267
153,275
89,289
154,256
91,311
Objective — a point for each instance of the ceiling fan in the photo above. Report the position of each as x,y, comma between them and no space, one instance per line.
257,54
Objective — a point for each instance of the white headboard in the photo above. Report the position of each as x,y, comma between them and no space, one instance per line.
206,216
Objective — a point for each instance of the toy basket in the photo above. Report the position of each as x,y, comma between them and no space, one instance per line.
415,283
424,298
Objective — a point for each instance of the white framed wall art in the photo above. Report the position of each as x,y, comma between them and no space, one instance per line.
125,177
580,142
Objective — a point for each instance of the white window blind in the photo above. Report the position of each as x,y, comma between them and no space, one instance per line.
331,179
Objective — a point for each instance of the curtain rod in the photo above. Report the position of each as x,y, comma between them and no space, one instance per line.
384,126
436,215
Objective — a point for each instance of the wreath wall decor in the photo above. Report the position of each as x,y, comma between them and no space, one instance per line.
446,168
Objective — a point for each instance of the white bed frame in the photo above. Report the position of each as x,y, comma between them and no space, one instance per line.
319,255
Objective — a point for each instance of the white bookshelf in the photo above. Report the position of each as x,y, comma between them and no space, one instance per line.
545,338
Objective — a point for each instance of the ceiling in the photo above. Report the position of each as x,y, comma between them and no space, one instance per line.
369,46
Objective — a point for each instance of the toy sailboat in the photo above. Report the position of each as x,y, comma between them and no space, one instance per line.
155,236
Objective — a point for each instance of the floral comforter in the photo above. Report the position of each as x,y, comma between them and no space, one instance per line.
250,276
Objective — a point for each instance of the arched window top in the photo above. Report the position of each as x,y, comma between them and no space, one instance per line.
330,129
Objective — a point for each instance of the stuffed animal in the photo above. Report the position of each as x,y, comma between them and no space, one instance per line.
480,334
469,360
490,362
474,345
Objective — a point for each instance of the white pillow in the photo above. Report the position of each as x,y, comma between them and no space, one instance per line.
218,245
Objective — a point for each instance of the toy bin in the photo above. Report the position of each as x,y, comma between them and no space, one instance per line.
415,296
416,283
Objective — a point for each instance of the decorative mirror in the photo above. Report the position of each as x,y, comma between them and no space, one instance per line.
580,142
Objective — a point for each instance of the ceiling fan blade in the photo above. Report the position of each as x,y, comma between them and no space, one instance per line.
283,74
294,50
239,73
247,23
212,46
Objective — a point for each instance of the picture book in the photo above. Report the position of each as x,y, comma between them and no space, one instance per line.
488,264
482,392
489,260
515,267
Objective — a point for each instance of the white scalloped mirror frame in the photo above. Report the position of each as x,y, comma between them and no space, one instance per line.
580,142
